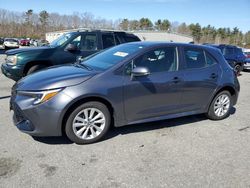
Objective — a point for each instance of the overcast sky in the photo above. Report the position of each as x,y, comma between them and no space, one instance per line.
218,13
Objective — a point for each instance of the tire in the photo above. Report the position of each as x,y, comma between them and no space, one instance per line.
237,69
80,130
35,68
214,111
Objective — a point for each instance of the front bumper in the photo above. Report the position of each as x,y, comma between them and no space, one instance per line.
39,120
246,66
12,72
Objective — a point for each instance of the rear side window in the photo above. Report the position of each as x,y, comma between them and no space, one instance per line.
198,58
195,58
108,40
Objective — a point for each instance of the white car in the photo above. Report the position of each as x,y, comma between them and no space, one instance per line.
10,43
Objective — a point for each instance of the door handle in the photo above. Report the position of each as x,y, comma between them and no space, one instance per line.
213,76
176,80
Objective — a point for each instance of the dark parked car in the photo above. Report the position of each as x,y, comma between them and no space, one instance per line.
127,84
234,56
65,49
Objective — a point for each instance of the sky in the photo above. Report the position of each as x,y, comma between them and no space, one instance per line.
218,13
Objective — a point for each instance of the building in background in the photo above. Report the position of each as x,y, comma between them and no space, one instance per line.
143,35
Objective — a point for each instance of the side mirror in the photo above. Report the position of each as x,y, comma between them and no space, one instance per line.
71,47
140,71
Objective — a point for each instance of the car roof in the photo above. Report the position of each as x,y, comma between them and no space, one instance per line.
161,43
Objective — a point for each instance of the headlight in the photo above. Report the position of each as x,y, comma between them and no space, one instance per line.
40,96
11,59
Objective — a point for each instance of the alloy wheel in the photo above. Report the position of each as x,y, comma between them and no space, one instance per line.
221,105
89,123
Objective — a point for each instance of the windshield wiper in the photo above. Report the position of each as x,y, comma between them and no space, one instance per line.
78,64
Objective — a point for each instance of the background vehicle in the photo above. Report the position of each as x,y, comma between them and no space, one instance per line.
65,49
1,41
233,55
130,83
10,43
24,42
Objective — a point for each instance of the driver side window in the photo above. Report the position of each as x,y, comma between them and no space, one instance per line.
158,60
77,42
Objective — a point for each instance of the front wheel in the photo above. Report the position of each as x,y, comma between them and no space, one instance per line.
35,68
220,106
88,123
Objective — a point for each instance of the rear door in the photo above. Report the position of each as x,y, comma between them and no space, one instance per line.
201,76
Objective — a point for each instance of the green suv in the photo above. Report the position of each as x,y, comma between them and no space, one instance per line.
66,49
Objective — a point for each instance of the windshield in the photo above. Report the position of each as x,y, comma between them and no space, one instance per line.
61,40
10,40
111,56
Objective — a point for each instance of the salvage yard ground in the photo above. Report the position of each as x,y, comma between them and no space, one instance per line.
184,152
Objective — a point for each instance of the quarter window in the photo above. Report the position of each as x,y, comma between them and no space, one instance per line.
194,58
210,60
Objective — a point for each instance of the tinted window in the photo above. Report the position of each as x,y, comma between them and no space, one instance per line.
158,60
89,42
130,38
117,41
108,40
228,51
210,59
195,58
238,50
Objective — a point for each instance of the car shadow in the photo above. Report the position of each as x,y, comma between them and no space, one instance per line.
62,140
143,127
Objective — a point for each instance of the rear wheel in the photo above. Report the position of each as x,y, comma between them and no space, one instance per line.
88,123
220,106
35,68
237,69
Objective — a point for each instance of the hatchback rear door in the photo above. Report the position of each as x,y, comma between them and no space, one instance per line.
201,77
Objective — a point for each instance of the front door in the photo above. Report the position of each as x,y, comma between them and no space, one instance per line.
157,94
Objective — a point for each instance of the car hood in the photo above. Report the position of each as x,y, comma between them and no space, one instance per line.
21,50
55,77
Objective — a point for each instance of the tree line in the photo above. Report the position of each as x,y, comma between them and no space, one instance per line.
35,25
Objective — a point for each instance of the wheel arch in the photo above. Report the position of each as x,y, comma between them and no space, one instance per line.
81,101
228,88
32,63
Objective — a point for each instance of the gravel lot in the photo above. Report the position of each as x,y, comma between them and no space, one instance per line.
184,152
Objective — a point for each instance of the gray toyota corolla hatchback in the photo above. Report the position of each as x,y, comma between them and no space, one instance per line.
127,84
